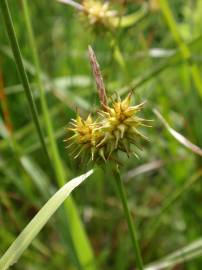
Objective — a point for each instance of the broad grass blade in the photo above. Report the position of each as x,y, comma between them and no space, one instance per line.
33,228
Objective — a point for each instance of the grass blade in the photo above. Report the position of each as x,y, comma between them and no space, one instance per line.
180,138
186,253
33,228
175,195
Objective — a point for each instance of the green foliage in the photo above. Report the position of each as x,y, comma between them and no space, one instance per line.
155,51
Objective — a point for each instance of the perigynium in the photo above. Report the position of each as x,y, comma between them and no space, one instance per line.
116,128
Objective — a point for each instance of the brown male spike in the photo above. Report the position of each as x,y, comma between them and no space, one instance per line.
98,78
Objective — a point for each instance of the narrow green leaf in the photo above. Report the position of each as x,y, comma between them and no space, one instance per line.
33,228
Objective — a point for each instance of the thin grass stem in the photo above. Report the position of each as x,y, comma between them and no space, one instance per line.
131,226
22,73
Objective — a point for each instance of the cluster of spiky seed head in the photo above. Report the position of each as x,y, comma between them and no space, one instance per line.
116,128
98,13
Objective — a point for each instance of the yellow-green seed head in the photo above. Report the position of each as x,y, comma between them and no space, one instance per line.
82,137
116,129
85,138
120,123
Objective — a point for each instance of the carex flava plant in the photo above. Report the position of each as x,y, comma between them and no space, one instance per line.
115,128
98,14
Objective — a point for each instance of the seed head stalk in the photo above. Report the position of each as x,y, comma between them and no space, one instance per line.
131,226
103,100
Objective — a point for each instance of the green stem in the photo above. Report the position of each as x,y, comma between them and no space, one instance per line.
131,226
22,73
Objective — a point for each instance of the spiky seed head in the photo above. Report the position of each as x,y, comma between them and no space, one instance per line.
85,139
82,138
116,129
121,123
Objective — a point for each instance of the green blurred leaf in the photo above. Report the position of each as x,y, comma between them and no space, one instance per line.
182,255
131,19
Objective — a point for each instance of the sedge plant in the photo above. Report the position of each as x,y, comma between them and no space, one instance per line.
99,140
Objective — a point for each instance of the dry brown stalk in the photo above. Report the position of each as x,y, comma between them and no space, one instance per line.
98,78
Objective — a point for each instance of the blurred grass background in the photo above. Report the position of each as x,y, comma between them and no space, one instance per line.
147,56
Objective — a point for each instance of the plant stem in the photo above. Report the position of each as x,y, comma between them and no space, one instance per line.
131,226
22,73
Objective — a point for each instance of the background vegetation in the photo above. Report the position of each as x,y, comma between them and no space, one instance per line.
159,56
